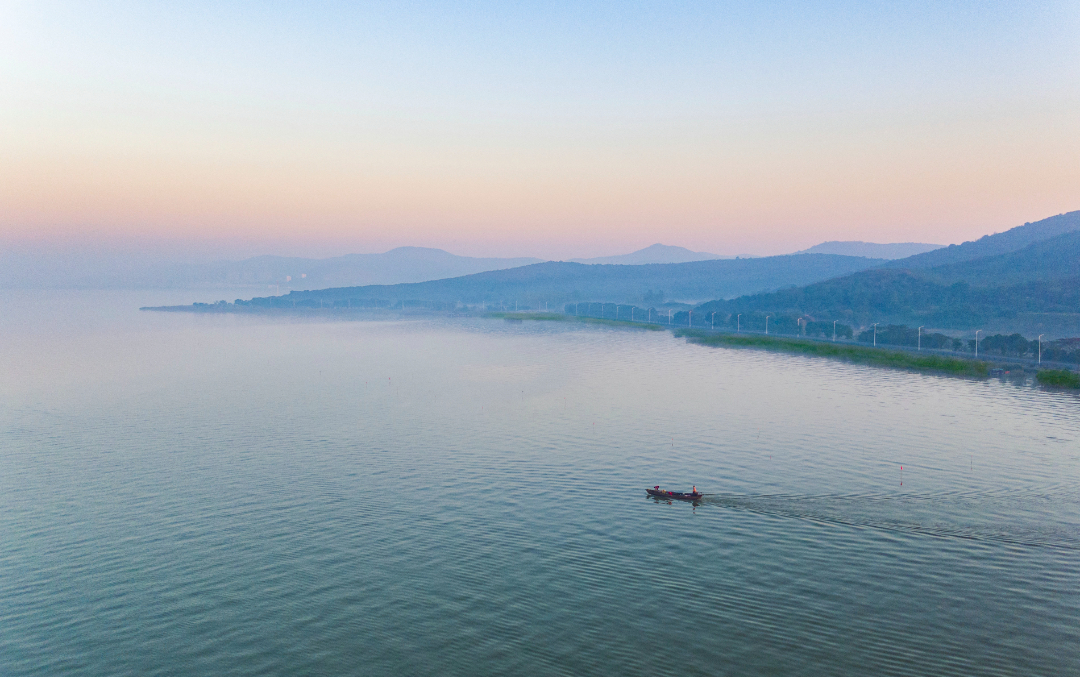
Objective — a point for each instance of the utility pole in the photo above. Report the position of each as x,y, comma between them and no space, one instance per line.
920,338
977,342
875,334
767,324
713,322
738,323
834,331
1040,347
689,318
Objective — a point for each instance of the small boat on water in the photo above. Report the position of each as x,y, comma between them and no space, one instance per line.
657,492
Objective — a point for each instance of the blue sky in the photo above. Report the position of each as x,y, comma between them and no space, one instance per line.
534,129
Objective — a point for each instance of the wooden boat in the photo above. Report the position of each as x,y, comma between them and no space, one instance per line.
677,495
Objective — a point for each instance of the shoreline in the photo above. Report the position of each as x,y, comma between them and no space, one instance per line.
880,357
1053,376
884,357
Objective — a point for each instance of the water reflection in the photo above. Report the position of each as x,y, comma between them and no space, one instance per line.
215,495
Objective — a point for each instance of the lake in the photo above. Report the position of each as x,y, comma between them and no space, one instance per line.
240,495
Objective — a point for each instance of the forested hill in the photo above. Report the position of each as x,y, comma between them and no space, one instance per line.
901,296
561,282
993,245
1042,278
1052,259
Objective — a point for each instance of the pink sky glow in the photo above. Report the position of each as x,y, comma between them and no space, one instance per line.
224,134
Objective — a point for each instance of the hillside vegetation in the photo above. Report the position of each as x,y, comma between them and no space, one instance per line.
992,245
554,283
1056,258
1034,280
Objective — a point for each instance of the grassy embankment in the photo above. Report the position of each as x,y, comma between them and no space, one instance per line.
1062,378
879,357
557,317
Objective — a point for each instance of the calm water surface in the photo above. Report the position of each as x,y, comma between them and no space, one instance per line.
186,495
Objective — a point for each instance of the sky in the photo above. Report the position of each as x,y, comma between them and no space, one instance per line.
557,130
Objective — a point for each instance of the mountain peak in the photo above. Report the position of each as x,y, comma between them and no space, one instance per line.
656,253
872,250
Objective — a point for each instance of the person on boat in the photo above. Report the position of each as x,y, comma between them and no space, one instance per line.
694,490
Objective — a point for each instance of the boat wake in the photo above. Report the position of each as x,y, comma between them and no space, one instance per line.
1017,518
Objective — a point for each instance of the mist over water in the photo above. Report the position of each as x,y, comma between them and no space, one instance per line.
236,495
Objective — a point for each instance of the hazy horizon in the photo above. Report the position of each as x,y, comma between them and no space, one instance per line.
209,250
205,252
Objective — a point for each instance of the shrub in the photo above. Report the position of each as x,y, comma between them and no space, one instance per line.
1062,378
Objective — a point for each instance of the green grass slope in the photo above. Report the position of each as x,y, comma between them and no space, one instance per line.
881,357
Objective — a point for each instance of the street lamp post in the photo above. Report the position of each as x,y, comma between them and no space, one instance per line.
977,342
920,337
834,331
712,324
738,323
1040,347
767,324
875,334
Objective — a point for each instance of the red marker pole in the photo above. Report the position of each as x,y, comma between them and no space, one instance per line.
901,475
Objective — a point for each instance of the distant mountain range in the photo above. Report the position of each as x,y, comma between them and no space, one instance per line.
872,250
1027,278
555,283
397,266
